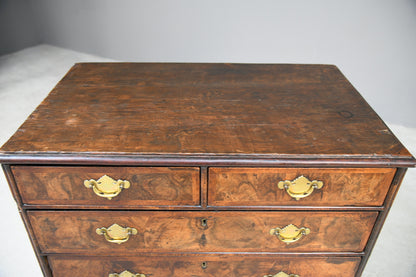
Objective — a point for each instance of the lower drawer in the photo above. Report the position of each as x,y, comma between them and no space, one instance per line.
198,266
107,232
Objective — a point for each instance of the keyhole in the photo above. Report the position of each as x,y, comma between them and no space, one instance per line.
204,265
204,222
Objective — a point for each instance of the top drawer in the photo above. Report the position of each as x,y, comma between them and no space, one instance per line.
120,186
299,186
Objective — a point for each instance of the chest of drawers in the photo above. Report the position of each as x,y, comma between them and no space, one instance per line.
204,170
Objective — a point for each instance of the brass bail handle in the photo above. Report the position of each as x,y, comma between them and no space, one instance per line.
116,234
106,186
301,187
282,274
126,273
290,233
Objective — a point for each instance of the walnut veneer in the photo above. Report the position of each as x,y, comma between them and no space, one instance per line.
204,170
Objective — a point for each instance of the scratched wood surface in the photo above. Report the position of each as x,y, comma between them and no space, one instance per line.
64,185
258,186
216,266
74,232
207,109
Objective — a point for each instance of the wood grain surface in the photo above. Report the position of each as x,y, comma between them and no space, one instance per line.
74,232
175,131
162,186
204,110
188,266
258,186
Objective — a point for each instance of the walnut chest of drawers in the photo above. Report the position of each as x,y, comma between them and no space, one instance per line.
199,170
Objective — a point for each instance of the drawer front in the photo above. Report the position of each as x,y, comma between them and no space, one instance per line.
76,232
71,185
285,186
201,266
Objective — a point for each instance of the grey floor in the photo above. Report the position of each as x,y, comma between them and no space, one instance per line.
27,76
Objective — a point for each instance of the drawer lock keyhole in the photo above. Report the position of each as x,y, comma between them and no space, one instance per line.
204,222
204,265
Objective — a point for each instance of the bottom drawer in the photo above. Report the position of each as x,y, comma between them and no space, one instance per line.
204,265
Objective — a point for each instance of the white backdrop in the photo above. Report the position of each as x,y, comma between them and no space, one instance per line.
373,42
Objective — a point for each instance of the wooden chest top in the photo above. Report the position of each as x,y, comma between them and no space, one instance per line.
222,113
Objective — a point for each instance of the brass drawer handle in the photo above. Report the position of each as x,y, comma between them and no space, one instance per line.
106,186
126,273
282,274
301,187
116,234
290,233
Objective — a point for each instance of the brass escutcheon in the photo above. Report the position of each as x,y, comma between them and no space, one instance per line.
290,233
126,273
116,234
281,274
106,186
301,187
